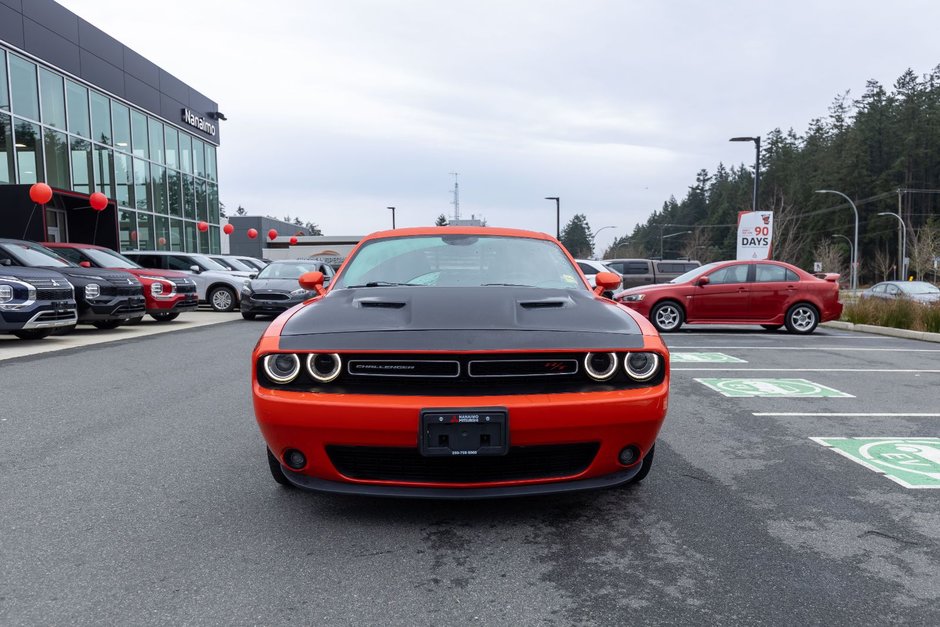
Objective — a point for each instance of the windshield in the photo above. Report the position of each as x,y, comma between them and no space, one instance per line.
224,263
36,256
691,274
235,264
259,265
460,261
287,270
109,259
918,287
207,264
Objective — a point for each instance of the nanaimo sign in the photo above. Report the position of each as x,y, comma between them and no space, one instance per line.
202,124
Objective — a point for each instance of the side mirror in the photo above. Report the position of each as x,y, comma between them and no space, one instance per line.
703,281
606,282
253,275
195,269
312,281
84,264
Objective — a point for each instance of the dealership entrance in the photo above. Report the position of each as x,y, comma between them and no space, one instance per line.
68,217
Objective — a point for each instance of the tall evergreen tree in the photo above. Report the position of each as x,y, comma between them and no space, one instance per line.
577,237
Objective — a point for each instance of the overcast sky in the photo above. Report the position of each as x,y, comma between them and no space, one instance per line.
339,109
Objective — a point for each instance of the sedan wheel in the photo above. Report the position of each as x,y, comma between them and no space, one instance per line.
222,299
666,317
802,319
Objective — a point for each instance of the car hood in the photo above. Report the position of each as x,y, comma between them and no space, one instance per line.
93,274
460,319
166,274
26,273
275,285
236,273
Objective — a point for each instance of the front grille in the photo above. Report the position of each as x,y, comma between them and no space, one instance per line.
185,288
270,296
407,464
51,316
42,283
128,291
53,293
132,306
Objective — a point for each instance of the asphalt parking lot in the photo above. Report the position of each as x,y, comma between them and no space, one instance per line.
135,492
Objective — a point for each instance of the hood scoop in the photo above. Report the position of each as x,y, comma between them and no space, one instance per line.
378,303
546,303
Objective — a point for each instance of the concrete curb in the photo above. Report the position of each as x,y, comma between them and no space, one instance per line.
870,328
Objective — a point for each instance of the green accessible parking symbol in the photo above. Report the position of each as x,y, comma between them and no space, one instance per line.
911,462
772,388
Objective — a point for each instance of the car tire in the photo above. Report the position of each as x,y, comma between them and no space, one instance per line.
248,316
771,327
104,325
667,316
222,299
165,316
276,471
645,468
802,319
33,334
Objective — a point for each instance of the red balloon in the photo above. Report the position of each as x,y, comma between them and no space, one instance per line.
228,229
293,240
133,236
203,226
252,233
162,241
40,193
98,201
272,234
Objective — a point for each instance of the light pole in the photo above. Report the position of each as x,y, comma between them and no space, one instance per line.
557,215
902,267
662,237
855,247
756,141
393,217
849,242
594,237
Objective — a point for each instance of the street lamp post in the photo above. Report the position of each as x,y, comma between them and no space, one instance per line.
662,237
594,237
557,215
756,141
393,217
855,247
902,266
849,243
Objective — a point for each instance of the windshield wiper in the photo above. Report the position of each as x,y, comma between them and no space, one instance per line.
386,284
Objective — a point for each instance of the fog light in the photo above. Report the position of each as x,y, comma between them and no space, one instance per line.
629,455
294,458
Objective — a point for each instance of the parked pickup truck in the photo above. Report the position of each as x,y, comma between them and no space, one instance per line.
648,271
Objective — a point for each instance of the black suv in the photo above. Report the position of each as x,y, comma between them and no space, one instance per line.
34,302
105,298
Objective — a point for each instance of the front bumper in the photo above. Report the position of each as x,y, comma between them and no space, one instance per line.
250,304
112,308
40,315
177,303
316,423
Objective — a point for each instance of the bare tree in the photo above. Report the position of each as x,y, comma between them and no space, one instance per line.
884,264
790,240
625,248
830,255
697,245
925,246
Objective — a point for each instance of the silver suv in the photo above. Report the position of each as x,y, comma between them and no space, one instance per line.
215,284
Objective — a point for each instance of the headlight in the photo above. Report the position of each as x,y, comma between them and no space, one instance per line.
282,367
641,366
156,288
633,298
246,289
600,366
6,294
298,292
92,290
324,367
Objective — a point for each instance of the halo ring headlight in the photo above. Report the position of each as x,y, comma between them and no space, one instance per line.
597,374
281,367
641,366
317,366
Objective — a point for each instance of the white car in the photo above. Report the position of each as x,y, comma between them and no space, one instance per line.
591,267
215,284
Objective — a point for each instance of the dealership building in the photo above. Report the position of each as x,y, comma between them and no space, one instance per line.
84,113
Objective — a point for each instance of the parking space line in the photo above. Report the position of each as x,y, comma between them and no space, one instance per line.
843,414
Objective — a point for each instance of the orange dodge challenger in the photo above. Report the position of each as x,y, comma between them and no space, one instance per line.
459,362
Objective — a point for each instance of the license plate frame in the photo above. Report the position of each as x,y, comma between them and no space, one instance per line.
470,432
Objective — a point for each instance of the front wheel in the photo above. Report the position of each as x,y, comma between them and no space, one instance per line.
802,319
165,316
222,299
32,334
248,316
107,324
667,317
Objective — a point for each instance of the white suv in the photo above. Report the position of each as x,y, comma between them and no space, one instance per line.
215,284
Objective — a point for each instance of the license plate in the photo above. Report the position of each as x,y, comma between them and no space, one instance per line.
464,432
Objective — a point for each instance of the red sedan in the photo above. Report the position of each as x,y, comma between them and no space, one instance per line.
769,293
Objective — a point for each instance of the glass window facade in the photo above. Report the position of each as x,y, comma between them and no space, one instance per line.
58,130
